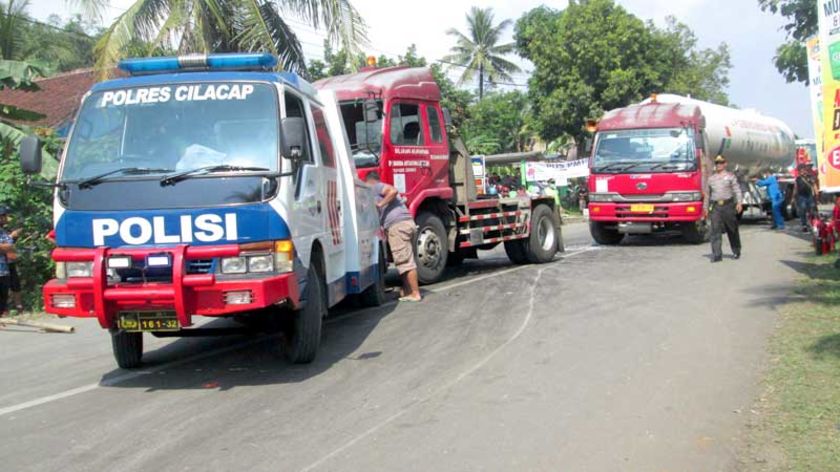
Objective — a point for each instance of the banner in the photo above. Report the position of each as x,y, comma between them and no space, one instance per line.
829,51
561,171
815,89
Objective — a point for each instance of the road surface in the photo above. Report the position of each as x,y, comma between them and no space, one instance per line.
638,357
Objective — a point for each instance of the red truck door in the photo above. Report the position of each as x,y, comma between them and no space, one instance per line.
420,155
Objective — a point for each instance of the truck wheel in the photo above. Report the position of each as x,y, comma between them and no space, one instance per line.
541,246
695,233
432,248
128,349
516,252
604,236
304,335
375,294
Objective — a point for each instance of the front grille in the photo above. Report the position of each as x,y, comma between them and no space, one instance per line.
199,266
623,211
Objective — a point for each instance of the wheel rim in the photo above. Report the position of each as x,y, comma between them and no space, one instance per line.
429,248
545,232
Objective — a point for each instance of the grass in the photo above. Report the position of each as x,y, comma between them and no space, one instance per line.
799,415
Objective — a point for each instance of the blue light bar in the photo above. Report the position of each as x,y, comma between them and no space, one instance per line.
193,62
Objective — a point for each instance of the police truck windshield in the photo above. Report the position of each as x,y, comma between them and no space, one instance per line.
648,150
172,128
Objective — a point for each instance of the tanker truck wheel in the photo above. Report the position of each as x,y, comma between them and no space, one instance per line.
695,233
128,348
432,248
604,236
541,246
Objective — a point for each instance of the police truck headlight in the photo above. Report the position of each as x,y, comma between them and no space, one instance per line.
257,264
79,269
234,265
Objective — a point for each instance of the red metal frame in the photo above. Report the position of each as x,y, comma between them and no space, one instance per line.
186,295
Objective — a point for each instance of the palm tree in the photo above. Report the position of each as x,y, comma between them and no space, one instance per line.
11,14
480,52
225,26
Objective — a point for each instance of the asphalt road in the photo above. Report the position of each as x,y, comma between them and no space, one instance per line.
639,357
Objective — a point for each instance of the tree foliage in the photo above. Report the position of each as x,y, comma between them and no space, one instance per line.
31,210
479,51
227,26
801,24
595,56
498,123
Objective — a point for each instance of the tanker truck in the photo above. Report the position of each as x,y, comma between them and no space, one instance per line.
650,162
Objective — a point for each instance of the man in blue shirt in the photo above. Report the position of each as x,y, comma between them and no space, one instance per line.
777,199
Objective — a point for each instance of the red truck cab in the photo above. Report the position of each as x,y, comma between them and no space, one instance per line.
648,168
395,125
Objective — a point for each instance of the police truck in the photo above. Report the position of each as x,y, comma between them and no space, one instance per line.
214,186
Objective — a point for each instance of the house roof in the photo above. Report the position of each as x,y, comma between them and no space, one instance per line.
58,98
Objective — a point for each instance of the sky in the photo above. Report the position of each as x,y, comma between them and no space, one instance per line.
752,35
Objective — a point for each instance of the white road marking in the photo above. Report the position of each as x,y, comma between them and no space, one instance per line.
135,374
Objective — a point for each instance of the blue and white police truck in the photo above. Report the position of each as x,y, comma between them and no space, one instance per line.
209,185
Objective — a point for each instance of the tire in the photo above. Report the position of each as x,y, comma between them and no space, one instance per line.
541,245
604,236
375,294
303,336
516,252
693,234
128,349
432,248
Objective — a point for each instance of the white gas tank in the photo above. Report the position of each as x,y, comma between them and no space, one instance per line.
744,137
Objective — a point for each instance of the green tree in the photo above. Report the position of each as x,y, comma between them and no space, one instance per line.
16,75
500,118
701,73
479,51
227,26
12,15
595,56
57,47
801,24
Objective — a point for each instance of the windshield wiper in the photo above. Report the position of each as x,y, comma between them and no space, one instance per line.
172,179
98,179
664,166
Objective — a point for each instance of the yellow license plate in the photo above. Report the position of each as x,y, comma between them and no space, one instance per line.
148,321
641,208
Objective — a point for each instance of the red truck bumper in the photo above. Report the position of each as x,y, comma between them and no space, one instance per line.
186,295
662,213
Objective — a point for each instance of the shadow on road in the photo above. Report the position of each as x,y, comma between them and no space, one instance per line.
249,360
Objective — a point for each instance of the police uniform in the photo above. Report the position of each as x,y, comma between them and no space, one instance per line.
723,194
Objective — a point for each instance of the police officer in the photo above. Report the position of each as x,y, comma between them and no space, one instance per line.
723,202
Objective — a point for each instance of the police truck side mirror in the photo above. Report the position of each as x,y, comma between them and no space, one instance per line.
294,137
30,155
371,111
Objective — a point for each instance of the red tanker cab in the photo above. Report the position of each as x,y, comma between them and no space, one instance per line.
395,125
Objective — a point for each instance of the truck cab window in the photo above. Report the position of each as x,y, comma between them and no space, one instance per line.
295,109
365,136
434,124
406,125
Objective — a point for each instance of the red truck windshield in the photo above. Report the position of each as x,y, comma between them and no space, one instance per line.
647,150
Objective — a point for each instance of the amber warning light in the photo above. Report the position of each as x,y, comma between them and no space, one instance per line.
371,61
591,126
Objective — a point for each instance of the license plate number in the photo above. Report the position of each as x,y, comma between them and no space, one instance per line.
641,208
149,321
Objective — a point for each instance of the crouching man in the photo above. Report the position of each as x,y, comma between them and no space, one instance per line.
401,232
